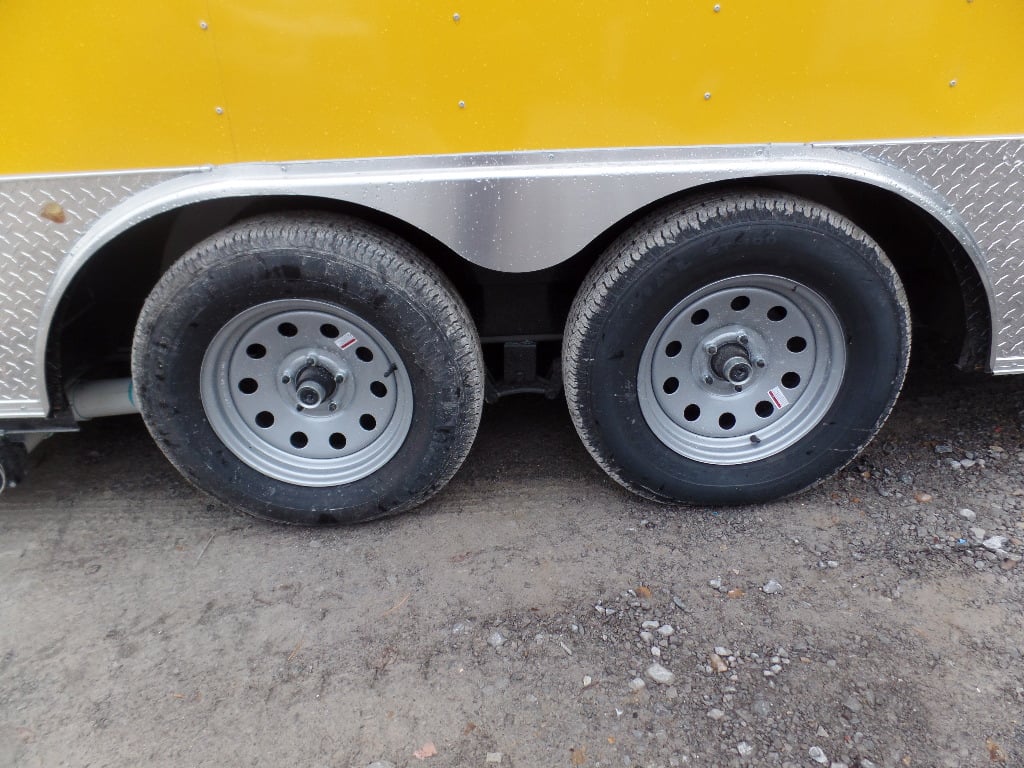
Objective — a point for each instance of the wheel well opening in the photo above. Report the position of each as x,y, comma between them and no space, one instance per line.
92,329
948,302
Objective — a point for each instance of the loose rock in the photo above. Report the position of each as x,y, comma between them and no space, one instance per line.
995,543
659,674
772,587
817,754
496,640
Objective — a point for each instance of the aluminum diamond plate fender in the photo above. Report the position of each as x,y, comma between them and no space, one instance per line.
41,220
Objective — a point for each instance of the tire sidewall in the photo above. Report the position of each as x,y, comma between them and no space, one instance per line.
848,273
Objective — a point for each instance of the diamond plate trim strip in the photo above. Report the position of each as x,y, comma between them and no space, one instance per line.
982,181
41,218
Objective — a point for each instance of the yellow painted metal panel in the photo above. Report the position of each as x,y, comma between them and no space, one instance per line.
107,85
136,84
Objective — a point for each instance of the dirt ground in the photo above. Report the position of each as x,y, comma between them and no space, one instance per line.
503,624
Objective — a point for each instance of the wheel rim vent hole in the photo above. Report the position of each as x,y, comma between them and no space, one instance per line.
699,317
764,409
727,421
791,380
670,385
378,389
691,412
740,303
299,439
367,422
337,441
256,351
264,419
330,331
775,314
796,344
248,386
287,329
673,348
364,353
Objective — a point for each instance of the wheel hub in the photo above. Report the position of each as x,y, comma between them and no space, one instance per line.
732,363
315,384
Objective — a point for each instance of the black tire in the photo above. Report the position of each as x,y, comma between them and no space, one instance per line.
702,248
13,464
329,263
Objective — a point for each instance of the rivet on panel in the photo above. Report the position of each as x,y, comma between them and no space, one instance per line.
707,96
462,105
456,17
717,7
203,25
952,83
219,110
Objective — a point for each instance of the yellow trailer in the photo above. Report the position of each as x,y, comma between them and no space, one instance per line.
307,240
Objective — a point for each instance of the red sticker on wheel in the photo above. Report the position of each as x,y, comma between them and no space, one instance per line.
778,397
346,341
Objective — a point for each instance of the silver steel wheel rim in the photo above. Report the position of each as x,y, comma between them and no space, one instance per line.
741,369
306,392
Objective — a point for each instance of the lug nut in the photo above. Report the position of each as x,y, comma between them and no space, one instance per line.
759,362
299,408
738,388
708,379
285,379
332,407
711,349
742,338
310,360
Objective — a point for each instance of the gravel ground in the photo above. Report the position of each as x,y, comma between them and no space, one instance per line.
534,614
